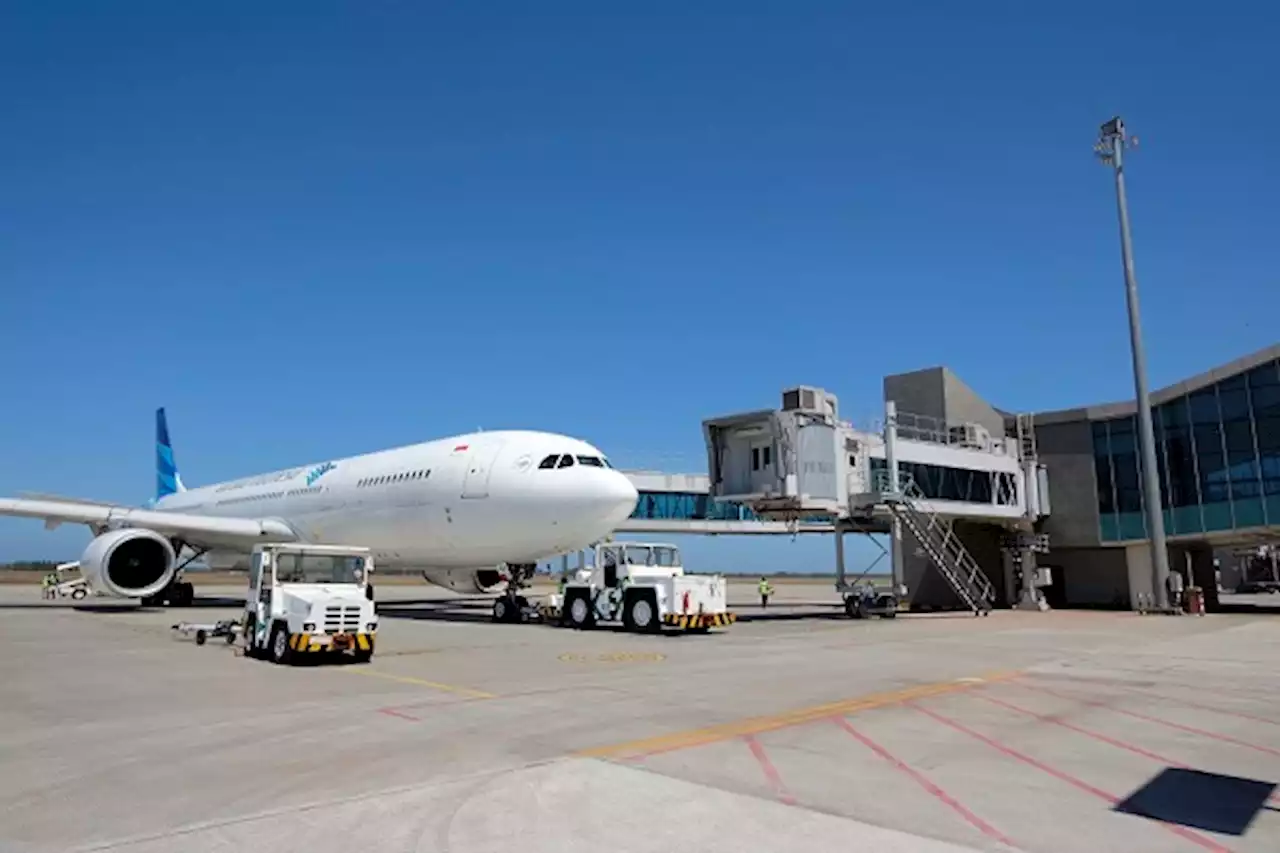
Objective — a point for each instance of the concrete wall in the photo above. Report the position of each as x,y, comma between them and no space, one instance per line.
1088,577
1103,577
964,406
1066,449
936,392
920,392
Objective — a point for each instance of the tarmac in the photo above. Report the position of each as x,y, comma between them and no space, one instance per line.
796,728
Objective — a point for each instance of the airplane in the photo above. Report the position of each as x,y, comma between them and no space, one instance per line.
470,512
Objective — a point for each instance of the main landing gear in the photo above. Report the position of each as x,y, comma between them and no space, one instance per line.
179,592
512,605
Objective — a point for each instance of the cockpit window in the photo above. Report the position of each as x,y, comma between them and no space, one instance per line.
593,461
565,461
550,461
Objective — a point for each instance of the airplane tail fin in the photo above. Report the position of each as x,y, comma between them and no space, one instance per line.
168,480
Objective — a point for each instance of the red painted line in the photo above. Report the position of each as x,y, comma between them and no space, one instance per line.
1193,837
1119,744
1190,704
924,782
1147,718
392,712
770,772
1046,718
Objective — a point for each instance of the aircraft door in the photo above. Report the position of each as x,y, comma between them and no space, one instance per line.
480,460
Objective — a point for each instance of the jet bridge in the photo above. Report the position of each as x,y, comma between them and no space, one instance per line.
917,480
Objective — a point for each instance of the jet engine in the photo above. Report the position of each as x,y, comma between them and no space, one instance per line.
129,563
465,580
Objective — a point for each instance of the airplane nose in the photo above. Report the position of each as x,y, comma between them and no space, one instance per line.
621,497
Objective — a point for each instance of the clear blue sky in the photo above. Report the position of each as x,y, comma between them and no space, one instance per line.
315,229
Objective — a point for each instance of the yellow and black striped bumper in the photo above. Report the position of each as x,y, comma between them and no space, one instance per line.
699,620
334,643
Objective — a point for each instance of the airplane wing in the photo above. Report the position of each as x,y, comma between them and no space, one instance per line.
201,531
50,496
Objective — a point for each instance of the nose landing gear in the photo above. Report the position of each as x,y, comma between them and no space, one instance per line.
512,605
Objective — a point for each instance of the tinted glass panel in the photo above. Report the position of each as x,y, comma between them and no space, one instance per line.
1204,407
1268,427
1234,403
1266,399
1106,489
1174,412
1263,375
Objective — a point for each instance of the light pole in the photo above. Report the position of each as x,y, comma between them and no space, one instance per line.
1110,148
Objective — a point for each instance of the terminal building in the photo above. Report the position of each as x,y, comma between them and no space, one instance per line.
978,502
1218,455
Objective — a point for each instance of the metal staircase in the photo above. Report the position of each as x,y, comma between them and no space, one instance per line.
939,541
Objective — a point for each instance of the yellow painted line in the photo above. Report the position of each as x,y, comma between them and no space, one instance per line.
771,722
406,679
613,657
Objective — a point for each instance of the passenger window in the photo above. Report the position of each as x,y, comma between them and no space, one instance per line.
565,461
550,461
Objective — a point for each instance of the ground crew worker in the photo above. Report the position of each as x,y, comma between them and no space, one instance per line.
46,587
765,592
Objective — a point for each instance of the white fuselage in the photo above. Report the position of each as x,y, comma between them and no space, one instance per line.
465,502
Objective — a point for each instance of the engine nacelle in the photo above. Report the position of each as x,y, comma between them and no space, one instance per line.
129,563
465,580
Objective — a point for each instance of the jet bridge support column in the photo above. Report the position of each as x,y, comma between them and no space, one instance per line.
896,554
840,571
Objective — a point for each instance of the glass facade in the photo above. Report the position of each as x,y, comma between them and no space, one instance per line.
695,506
958,484
1218,455
688,506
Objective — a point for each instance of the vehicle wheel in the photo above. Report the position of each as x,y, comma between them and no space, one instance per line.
201,636
580,615
853,606
279,645
231,637
640,615
363,656
77,594
250,632
183,595
501,609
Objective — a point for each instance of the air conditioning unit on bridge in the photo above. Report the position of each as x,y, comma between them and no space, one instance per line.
782,463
